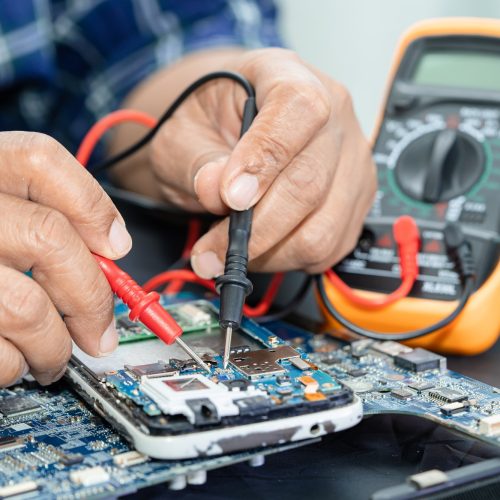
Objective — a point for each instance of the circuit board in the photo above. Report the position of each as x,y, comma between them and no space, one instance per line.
154,389
53,446
390,377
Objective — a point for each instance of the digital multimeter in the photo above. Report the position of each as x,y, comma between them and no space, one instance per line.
437,150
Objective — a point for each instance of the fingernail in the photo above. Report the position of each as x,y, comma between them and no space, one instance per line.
242,191
26,370
109,340
119,238
207,265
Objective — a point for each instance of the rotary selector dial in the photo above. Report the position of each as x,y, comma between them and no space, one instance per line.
439,165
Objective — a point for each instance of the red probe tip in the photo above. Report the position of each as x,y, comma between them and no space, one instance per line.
143,306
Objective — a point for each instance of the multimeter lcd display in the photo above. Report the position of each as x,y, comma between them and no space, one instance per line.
470,69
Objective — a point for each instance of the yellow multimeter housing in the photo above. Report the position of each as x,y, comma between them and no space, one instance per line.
437,150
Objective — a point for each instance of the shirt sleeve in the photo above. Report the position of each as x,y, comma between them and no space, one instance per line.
149,35
64,64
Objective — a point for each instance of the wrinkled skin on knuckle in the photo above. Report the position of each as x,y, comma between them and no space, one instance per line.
22,305
315,247
93,204
316,101
307,182
48,230
272,154
40,151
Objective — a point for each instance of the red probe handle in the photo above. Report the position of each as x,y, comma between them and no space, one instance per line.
144,307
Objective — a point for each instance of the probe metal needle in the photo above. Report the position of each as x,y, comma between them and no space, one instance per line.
227,346
192,354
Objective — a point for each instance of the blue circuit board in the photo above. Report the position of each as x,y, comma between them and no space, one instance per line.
372,371
53,446
288,388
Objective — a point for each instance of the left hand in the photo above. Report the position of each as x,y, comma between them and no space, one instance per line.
304,164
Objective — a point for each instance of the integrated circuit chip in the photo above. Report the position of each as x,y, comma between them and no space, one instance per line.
8,443
450,409
447,395
419,360
158,369
420,386
18,405
401,394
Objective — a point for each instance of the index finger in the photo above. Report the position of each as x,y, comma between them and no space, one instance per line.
293,107
36,167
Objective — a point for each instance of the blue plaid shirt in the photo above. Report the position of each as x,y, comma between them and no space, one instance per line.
65,63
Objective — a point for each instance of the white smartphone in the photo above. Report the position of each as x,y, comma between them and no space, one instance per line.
169,408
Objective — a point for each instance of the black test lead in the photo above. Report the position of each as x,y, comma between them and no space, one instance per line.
234,286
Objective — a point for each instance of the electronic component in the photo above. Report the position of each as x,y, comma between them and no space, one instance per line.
237,385
193,314
358,386
390,348
299,363
13,490
89,476
314,396
310,384
419,360
420,386
196,397
159,369
182,364
357,372
129,458
283,380
490,425
401,394
263,363
18,405
447,395
253,406
8,443
449,409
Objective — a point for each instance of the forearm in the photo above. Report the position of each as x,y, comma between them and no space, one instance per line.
153,96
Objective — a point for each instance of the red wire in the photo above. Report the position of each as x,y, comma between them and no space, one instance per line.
370,303
408,240
104,124
187,276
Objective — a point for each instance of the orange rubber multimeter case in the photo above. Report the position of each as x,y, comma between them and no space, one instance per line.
437,150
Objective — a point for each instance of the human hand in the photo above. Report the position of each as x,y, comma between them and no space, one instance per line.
304,164
54,215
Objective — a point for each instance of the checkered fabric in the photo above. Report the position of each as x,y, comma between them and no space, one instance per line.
65,63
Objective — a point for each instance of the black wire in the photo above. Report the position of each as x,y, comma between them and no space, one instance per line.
291,306
113,160
467,292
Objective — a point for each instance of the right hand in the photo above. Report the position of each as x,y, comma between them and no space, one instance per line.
54,214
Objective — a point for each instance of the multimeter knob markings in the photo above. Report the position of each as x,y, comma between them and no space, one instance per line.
440,165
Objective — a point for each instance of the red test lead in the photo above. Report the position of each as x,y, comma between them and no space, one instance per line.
145,307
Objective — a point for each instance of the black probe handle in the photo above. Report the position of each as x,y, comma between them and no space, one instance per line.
234,286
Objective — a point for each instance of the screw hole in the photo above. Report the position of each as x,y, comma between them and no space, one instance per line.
314,429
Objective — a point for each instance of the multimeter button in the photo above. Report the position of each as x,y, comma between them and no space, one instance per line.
472,217
439,166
